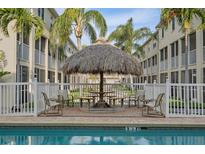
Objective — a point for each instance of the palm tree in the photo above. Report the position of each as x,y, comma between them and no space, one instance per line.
128,39
79,22
23,21
184,16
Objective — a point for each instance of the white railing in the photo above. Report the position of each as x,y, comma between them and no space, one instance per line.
39,57
51,62
191,57
25,99
23,51
186,100
174,62
17,99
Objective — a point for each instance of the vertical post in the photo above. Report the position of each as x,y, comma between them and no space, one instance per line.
101,86
35,97
154,89
145,90
167,98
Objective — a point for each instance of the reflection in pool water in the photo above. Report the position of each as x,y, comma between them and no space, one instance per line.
99,136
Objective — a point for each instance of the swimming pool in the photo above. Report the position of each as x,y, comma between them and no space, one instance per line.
100,136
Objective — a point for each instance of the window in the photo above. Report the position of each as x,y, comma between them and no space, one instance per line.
41,13
192,41
166,53
43,44
172,50
37,44
173,23
203,37
163,77
161,55
149,62
182,76
162,32
25,38
183,45
176,48
174,77
154,45
155,59
24,73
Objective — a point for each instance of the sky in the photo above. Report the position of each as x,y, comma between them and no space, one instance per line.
143,17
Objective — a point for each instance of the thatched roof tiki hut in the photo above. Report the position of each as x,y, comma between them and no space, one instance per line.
102,58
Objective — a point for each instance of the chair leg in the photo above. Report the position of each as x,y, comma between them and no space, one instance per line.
89,105
122,102
81,103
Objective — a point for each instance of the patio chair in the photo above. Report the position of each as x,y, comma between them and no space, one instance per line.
137,98
153,105
67,97
51,105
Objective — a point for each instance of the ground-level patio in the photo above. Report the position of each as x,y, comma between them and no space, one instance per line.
130,117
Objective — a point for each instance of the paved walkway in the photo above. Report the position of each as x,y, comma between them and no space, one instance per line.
78,117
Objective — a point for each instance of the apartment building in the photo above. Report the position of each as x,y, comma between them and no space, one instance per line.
28,58
165,55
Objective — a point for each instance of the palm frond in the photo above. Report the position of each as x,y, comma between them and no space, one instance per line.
91,32
99,21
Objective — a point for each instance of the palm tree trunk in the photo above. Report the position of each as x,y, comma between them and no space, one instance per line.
186,57
101,86
79,43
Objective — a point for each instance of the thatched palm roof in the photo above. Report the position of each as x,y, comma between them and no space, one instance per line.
103,58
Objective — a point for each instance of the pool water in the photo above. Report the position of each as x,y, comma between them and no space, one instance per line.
100,136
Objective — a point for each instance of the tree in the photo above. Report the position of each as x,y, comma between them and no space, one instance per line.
23,21
184,17
79,22
128,39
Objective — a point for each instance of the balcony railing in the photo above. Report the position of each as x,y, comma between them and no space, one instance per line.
39,57
191,58
145,71
154,69
174,62
164,65
23,51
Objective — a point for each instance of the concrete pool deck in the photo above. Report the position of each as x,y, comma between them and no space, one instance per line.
76,117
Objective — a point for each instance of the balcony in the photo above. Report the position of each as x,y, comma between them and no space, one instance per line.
191,57
23,51
154,69
174,62
39,57
149,70
51,62
163,65
145,71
